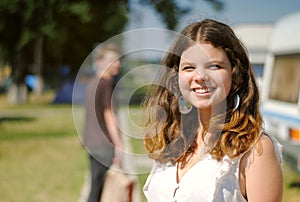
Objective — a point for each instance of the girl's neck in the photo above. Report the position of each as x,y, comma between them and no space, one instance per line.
204,117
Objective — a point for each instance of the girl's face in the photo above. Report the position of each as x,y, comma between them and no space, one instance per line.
204,76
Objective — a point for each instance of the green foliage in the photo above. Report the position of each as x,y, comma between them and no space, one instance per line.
61,31
67,29
169,10
218,5
81,9
33,19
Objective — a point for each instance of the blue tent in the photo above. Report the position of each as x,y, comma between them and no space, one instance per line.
65,93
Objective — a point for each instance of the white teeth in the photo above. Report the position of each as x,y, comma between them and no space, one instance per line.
203,90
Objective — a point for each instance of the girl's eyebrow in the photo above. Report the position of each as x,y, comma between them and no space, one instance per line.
216,61
219,62
185,64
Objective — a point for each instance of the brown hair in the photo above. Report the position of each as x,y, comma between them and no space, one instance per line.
170,135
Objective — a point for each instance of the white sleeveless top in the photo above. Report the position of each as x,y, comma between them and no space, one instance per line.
208,180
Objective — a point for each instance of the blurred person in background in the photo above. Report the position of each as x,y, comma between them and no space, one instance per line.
101,135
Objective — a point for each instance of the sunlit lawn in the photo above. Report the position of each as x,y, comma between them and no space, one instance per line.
41,158
291,185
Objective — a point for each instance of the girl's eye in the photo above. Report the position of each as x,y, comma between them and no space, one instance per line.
188,68
214,66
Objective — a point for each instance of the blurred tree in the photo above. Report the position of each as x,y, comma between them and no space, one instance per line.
171,10
218,5
52,33
78,36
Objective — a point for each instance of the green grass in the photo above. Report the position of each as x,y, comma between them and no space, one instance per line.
291,185
135,124
41,158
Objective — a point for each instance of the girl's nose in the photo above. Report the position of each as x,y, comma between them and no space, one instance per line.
200,75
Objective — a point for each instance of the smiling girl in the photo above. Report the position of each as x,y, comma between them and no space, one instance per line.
205,129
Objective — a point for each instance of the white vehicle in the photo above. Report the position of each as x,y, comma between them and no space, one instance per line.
281,88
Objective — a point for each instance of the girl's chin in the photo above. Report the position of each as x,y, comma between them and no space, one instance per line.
203,106
221,107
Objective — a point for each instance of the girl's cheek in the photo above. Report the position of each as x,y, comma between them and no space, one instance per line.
184,82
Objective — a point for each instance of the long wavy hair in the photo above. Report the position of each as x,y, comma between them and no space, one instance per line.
171,136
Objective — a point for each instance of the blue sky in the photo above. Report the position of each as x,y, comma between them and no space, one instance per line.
249,11
235,12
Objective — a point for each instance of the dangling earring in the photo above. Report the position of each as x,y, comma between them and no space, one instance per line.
236,102
184,106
